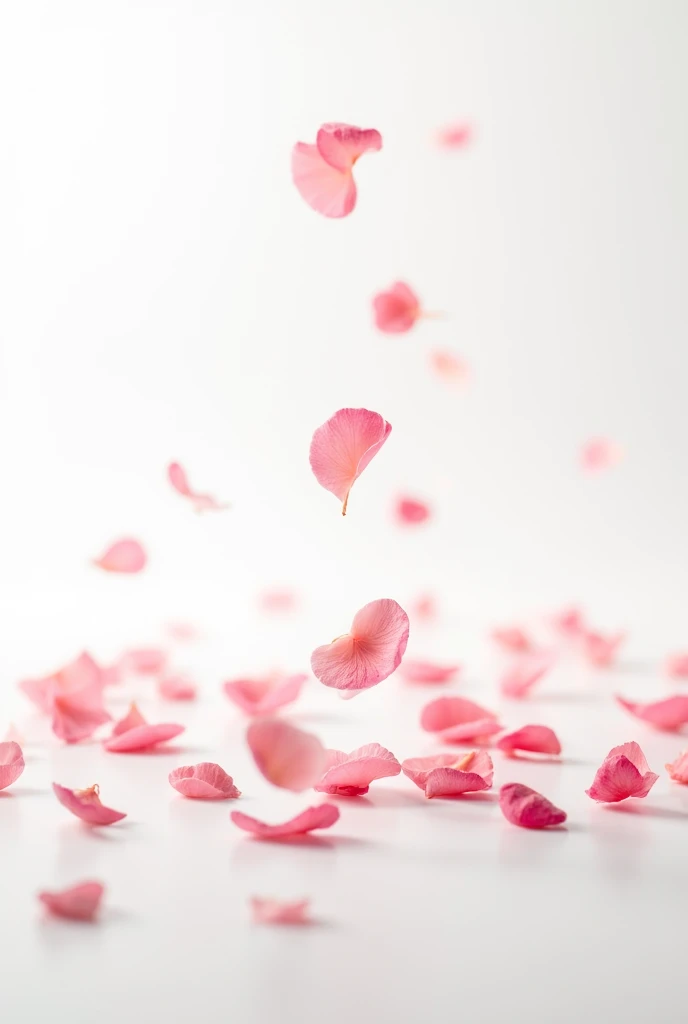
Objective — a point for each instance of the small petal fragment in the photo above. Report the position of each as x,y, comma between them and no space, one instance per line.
601,650
670,714
449,366
570,623
449,775
11,763
176,688
77,903
512,638
536,739
427,671
77,717
396,310
85,804
342,448
201,502
323,173
677,666
527,808
320,816
143,661
285,755
264,696
524,674
204,781
623,773
131,720
678,771
351,774
124,556
599,454
143,737
410,512
268,911
455,136
369,653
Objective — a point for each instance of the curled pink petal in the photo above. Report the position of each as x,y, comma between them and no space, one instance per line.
396,310
176,688
410,512
342,144
369,653
264,696
204,781
77,903
527,808
323,173
600,453
446,712
449,366
536,739
601,650
82,674
11,763
320,816
342,448
524,673
131,720
268,911
669,714
512,638
201,502
449,775
623,773
77,716
351,774
285,755
427,671
124,556
677,666
143,661
455,136
85,804
143,737
678,770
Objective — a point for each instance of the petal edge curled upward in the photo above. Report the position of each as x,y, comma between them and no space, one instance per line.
323,173
369,653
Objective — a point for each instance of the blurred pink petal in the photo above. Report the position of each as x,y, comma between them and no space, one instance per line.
525,807
204,781
410,512
424,608
176,688
449,775
455,136
76,677
11,763
131,720
77,716
201,502
536,739
85,804
183,632
369,653
570,622
623,773
342,448
13,735
677,666
427,671
477,731
278,601
600,453
601,650
124,556
285,755
320,816
451,713
669,714
449,366
267,911
524,673
396,310
143,661
678,771
512,638
143,737
351,774
77,903
264,696
323,173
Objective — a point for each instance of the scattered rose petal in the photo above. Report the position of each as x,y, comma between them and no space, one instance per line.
427,671
143,661
424,608
525,807
342,448
143,737
204,781
410,512
601,650
285,755
570,623
513,638
623,773
449,366
536,739
449,775
669,714
677,666
396,310
369,653
78,676
77,716
323,173
678,771
351,774
268,911
600,453
278,601
13,735
176,688
131,720
320,816
77,903
457,719
85,804
201,502
182,632
264,696
11,763
455,136
124,556
524,673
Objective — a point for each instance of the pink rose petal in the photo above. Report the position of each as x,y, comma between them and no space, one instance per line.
527,808
570,623
11,763
285,755
278,601
342,448
427,671
424,608
77,903
323,173
182,632
455,136
77,716
410,512
79,675
623,773
447,712
85,804
201,502
131,720
320,816
264,696
599,454
449,775
536,739
143,737
204,781
669,714
524,673
449,366
369,653
512,638
124,556
677,666
477,731
351,774
601,650
396,310
143,661
268,911
176,688
678,771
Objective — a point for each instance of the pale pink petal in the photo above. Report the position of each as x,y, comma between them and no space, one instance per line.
600,453
268,911
176,688
77,903
536,739
512,638
570,622
143,661
325,188
85,804
143,737
342,144
623,773
447,712
285,755
82,674
678,771
278,601
449,366
131,720
410,512
449,774
369,653
204,781
525,807
320,816
264,696
11,763
455,136
124,556
477,731
183,632
342,448
351,774
669,714
601,650
677,666
427,671
528,670
424,608
13,735
77,716
202,502
396,310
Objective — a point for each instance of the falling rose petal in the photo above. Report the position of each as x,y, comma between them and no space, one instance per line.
455,136
131,720
601,650
11,763
204,781
396,310
447,713
342,448
268,911
525,807
76,717
570,623
535,739
369,653
623,773
85,804
424,608
351,774
427,671
143,737
677,666
323,174
599,454
82,674
124,556
320,816
678,771
669,714
409,512
449,366
176,688
182,632
77,903
285,755
278,601
201,502
512,638
449,775
523,675
264,696
143,661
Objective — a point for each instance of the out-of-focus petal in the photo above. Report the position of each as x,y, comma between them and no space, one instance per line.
77,716
131,720
176,688
321,816
77,903
143,737
342,448
396,310
570,623
455,136
351,774
204,781
82,674
678,770
623,773
427,671
449,366
86,804
525,672
527,808
285,755
124,556
201,502
677,666
264,696
143,661
369,653
269,911
599,453
601,650
669,714
449,775
278,601
536,739
410,512
512,638
11,763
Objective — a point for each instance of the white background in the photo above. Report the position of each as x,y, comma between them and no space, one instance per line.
168,295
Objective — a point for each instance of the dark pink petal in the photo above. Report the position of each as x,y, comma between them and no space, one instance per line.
204,781
77,903
525,807
131,720
677,666
143,661
601,650
449,775
396,310
342,144
410,512
427,671
669,714
285,755
512,638
143,737
77,716
176,688
342,448
447,712
369,653
678,771
623,773
201,502
85,804
11,763
124,556
267,911
264,696
600,453
536,739
449,366
79,675
524,673
321,816
323,173
351,774
455,136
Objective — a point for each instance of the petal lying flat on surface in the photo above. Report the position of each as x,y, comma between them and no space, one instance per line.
124,556
77,716
342,448
599,454
527,808
369,653
525,673
478,731
623,773
427,671
396,310
269,911
677,666
143,737
351,774
678,770
131,720
321,816
86,804
410,512
326,189
204,781
455,136
601,651
285,755
76,677
447,712
264,696
341,145
201,502
536,739
450,775
77,903
512,638
669,714
176,688
11,763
